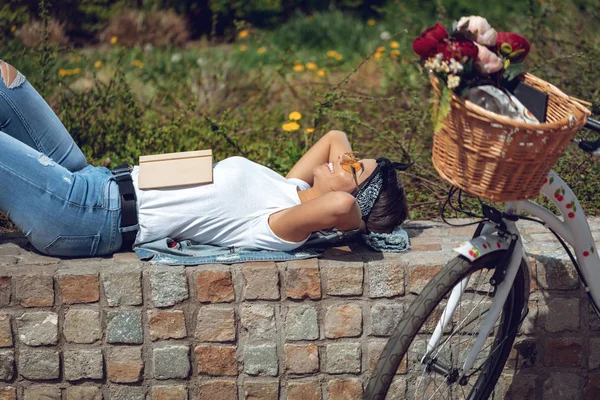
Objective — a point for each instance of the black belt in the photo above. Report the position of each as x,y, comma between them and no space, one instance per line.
129,219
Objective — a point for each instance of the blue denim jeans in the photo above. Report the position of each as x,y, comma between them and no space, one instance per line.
64,206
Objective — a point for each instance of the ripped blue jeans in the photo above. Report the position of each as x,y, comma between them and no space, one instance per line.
64,206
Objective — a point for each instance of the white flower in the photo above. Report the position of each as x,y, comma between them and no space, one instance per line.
385,35
176,57
201,61
453,81
148,47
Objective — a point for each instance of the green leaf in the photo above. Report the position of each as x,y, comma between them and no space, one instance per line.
513,70
441,109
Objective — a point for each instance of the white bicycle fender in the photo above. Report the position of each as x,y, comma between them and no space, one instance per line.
481,245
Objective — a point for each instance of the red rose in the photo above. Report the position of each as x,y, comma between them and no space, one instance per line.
460,50
519,45
426,45
437,32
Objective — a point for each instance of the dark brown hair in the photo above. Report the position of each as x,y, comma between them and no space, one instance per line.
390,209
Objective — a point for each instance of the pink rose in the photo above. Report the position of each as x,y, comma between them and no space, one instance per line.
488,62
484,33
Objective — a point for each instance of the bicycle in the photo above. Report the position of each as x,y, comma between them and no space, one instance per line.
460,329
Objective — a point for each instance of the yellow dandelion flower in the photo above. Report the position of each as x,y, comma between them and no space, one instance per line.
13,28
295,116
243,34
371,22
394,44
62,72
243,48
309,130
339,57
76,71
377,56
332,53
290,126
311,65
261,50
97,64
298,67
114,40
395,54
138,63
380,49
321,73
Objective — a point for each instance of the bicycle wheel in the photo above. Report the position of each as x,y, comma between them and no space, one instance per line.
439,377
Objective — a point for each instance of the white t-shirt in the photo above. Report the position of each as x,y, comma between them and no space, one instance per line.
232,211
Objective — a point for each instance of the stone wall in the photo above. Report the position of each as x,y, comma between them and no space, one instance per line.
116,328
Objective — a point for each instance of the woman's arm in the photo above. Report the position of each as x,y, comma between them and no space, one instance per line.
328,148
332,210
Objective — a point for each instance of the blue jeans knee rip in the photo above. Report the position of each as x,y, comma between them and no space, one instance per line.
5,75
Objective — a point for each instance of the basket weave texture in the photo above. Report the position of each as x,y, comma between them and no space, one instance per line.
499,158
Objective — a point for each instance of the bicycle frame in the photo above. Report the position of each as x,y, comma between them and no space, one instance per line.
573,228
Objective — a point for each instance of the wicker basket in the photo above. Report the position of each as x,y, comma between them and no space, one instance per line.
495,157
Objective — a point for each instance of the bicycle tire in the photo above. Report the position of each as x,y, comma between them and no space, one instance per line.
422,308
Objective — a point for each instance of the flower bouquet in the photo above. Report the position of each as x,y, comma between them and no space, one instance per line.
473,55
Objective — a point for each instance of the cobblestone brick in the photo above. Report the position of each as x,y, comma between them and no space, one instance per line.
169,286
303,279
562,315
301,359
216,361
124,327
343,278
38,364
171,361
397,389
83,364
34,290
83,393
384,318
261,390
75,288
5,291
591,389
7,365
121,392
344,320
556,274
169,392
301,323
343,358
215,324
38,328
345,389
6,339
420,276
258,321
562,386
8,393
385,280
304,390
594,355
166,324
122,287
261,281
42,393
563,352
124,364
222,390
261,359
374,351
214,286
521,387
82,326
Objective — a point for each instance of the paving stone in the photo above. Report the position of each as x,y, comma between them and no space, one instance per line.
83,364
263,390
304,390
343,358
79,288
421,276
214,286
122,287
166,324
343,320
124,364
169,392
42,393
82,326
5,291
215,324
554,274
303,279
398,389
6,339
169,286
83,393
592,387
384,318
385,280
562,315
8,393
344,389
301,359
343,278
34,290
261,359
217,389
563,352
261,281
521,387
7,365
124,327
216,360
258,322
301,323
120,392
36,364
38,328
594,355
171,361
374,351
562,386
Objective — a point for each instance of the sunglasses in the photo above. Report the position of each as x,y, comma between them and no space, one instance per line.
351,165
